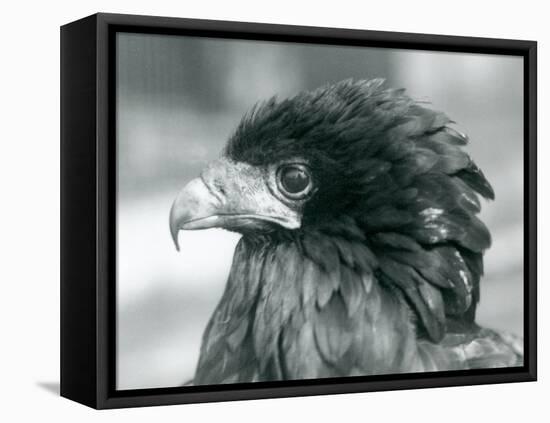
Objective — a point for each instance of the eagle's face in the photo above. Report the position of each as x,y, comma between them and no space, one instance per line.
274,176
245,198
283,192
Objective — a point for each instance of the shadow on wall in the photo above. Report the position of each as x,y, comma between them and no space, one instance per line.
50,387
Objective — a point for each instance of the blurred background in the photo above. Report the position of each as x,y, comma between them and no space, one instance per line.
178,100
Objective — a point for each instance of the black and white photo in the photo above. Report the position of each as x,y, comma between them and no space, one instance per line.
357,212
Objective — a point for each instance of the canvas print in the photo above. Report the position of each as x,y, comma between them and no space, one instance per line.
291,211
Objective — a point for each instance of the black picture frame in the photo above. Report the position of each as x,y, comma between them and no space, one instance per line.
88,206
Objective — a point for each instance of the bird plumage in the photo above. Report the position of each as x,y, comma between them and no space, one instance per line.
377,270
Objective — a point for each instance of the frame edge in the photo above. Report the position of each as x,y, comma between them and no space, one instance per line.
78,212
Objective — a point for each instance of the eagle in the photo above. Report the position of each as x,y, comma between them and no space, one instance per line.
361,250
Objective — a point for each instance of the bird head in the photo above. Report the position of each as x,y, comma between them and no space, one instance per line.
352,160
289,165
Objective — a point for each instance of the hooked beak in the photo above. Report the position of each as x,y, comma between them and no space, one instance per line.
233,196
195,207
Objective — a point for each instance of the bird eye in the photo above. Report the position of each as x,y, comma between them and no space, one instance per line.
294,181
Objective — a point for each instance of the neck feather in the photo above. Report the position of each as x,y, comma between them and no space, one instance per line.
317,308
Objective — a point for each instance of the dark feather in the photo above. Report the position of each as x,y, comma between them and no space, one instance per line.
333,330
475,178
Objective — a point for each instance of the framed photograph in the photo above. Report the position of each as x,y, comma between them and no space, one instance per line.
254,211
